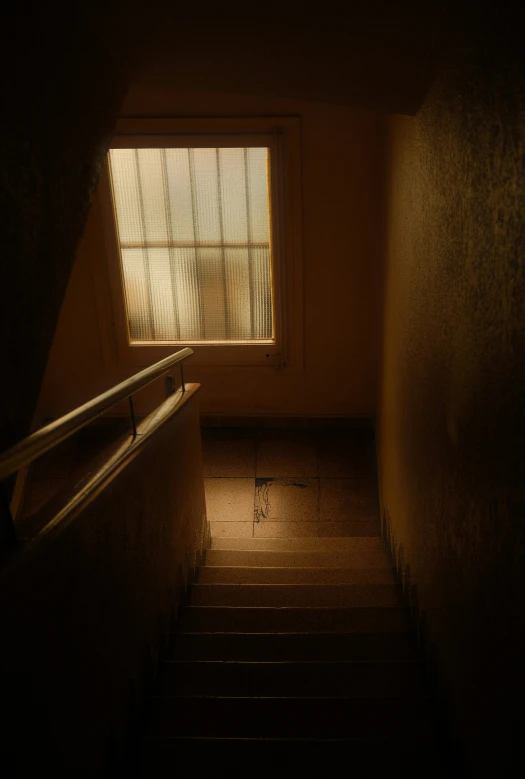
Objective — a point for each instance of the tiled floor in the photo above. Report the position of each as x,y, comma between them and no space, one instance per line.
285,483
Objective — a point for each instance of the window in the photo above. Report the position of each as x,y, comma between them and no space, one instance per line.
203,240
194,238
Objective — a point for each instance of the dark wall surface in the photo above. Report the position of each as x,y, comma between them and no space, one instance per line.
65,72
452,423
86,609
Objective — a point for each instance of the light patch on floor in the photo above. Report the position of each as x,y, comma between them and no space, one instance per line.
289,484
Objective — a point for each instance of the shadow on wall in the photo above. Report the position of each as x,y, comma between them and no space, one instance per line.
62,98
88,605
69,68
452,420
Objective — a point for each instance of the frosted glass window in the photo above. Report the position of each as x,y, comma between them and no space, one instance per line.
193,228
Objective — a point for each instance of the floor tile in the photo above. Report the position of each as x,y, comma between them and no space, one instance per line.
229,499
228,455
346,454
286,499
286,454
347,500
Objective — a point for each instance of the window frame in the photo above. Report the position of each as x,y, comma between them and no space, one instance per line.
282,136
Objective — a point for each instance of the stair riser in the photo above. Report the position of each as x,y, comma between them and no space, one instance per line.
283,620
300,595
272,559
379,647
372,543
287,530
394,758
244,575
289,717
291,679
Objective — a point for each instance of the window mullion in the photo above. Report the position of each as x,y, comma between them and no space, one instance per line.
198,274
169,233
250,253
223,251
145,248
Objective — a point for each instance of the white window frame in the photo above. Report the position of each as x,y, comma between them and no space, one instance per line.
282,136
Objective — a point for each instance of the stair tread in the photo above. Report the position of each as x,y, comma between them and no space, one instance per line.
235,757
291,609
283,716
257,663
297,544
293,619
290,595
293,587
280,529
294,559
391,699
242,574
266,646
318,678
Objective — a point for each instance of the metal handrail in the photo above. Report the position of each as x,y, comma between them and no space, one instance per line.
51,435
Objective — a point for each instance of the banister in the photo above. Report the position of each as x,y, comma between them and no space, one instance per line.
47,437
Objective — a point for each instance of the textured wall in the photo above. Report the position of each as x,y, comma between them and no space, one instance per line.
452,419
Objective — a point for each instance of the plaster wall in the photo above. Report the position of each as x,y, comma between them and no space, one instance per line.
342,192
452,418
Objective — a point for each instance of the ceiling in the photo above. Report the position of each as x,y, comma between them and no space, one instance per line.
376,55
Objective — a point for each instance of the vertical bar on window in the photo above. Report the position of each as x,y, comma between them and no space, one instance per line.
223,251
269,327
191,164
170,242
145,248
250,252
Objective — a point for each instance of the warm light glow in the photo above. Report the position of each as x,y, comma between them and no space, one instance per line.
193,228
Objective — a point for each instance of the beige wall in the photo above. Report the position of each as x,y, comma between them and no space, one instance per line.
452,416
342,169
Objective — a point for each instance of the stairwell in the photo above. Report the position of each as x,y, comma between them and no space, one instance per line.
295,653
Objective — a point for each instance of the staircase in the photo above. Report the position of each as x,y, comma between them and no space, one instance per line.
294,656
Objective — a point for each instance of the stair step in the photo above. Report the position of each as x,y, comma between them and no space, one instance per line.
236,758
246,575
293,620
296,595
374,647
265,529
305,559
303,544
295,679
292,529
289,717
